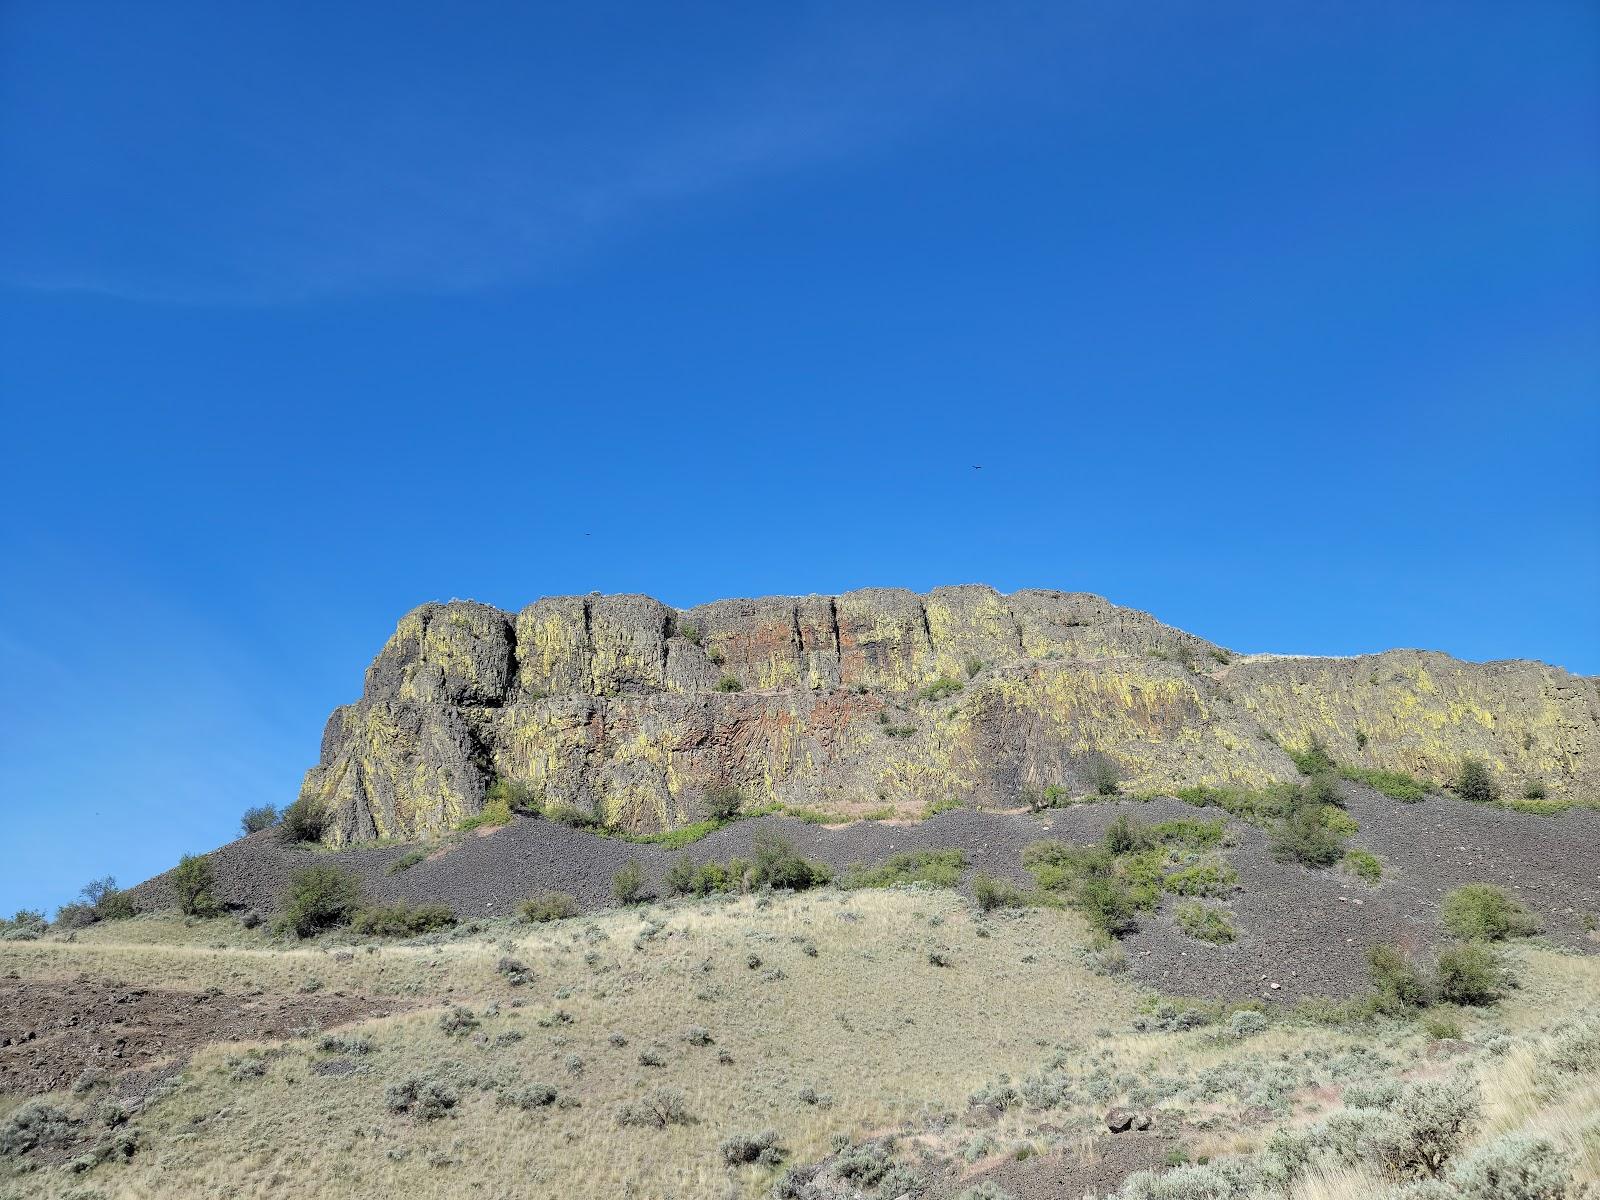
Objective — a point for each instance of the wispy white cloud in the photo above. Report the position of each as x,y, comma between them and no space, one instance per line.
397,195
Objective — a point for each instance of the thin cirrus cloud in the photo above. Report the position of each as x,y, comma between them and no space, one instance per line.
220,190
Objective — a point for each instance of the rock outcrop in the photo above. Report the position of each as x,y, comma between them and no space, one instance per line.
630,710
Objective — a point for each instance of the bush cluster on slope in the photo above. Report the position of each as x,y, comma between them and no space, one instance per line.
774,863
1130,869
319,898
1483,912
403,920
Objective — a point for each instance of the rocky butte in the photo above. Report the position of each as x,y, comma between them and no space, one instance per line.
879,699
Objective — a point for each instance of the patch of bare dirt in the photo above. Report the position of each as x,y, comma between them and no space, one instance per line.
53,1032
1071,1175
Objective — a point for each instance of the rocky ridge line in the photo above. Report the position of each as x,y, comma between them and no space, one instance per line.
629,709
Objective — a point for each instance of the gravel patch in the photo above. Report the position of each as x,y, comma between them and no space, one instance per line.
54,1032
1308,931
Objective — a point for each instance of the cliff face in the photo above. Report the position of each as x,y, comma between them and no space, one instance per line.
629,709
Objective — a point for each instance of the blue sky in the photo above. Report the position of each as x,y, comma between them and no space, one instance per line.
1278,320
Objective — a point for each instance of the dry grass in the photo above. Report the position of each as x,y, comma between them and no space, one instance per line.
878,1033
867,1021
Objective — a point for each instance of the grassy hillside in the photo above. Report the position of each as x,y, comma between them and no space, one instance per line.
616,1054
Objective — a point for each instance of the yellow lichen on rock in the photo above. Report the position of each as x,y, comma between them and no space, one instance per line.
623,708
1420,713
970,628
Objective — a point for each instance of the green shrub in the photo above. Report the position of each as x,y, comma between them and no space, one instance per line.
729,683
1257,806
689,632
1534,789
740,1148
1515,1166
1399,982
533,1096
1127,836
26,926
571,816
1102,775
723,802
1205,922
681,877
685,878
1107,904
1201,879
1086,878
425,1099
627,884
1475,782
1313,758
941,868
1322,789
1197,835
257,819
1393,784
940,688
776,865
402,920
319,898
656,1110
1441,1027
406,861
1363,864
1469,973
549,906
102,901
899,731
512,796
1432,1120
1576,1051
303,821
1338,822
1056,864
1482,912
1303,836
974,665
37,1126
75,916
992,892
194,881
118,906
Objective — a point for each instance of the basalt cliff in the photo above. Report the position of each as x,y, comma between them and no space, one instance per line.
630,710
